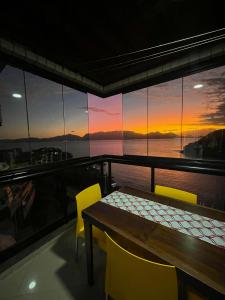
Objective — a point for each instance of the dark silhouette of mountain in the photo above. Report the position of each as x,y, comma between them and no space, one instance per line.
71,137
211,146
113,135
159,135
133,135
102,135
60,138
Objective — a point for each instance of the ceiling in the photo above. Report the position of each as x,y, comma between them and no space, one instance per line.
94,38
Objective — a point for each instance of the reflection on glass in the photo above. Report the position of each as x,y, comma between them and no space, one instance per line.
135,123
14,146
45,110
28,207
164,119
105,125
76,123
16,202
204,114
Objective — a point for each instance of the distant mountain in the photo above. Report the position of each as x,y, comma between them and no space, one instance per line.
127,135
102,135
211,146
118,135
105,135
71,137
159,135
59,138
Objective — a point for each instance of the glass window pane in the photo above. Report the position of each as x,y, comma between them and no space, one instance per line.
14,146
210,189
135,122
105,125
45,109
164,119
132,176
76,123
204,115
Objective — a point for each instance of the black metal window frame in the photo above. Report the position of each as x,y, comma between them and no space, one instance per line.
209,167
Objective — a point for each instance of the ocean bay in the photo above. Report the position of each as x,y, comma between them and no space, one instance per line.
210,189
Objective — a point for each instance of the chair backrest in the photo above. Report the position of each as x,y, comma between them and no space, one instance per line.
129,277
175,194
86,198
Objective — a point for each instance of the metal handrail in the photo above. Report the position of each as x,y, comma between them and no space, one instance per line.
210,167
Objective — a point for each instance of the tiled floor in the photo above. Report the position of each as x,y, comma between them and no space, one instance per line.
52,273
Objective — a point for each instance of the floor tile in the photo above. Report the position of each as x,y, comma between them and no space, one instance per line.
55,274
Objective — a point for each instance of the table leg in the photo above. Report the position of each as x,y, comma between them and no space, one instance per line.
182,293
89,250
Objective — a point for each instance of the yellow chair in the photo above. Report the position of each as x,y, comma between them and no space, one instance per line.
129,277
175,194
182,196
84,199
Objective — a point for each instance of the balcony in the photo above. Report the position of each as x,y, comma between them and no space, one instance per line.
133,110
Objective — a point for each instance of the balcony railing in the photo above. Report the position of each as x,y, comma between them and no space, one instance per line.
42,197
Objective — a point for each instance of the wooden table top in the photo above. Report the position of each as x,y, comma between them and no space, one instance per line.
199,259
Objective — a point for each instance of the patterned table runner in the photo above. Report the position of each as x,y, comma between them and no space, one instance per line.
206,229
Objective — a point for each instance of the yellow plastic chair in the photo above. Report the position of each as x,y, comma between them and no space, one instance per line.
84,199
182,196
175,194
129,277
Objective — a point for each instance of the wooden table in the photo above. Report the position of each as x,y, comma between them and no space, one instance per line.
191,256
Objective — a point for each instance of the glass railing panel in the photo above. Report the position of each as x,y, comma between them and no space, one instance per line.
210,189
132,176
77,179
29,207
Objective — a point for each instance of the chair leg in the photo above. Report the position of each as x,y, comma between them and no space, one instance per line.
76,249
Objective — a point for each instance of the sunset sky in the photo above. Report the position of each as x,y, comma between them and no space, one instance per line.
203,108
105,114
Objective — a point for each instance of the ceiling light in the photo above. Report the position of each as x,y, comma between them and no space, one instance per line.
16,95
32,285
198,86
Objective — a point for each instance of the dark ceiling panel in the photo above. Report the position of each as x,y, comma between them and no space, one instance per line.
77,34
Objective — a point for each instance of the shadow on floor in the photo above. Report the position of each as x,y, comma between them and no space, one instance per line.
51,272
73,273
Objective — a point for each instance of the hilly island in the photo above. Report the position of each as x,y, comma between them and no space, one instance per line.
102,135
211,146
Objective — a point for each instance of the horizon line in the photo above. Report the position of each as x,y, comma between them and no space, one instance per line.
142,135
